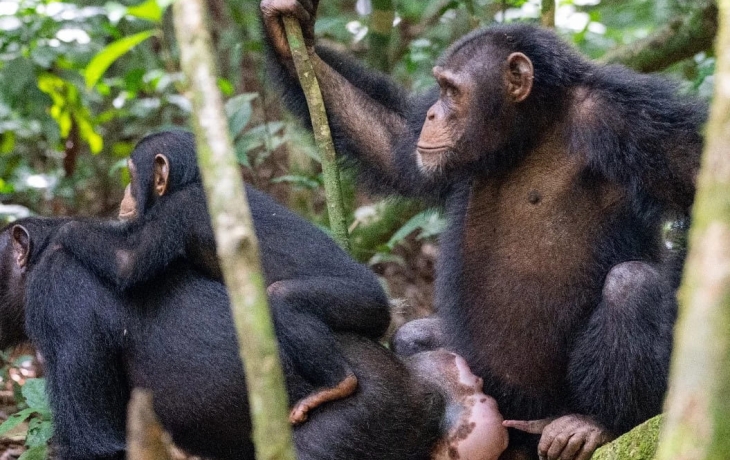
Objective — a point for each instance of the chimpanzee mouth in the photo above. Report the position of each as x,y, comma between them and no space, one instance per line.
429,150
127,215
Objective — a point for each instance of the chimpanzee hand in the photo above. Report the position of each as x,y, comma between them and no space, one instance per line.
569,437
273,10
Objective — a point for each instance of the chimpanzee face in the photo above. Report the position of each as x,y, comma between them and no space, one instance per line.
476,108
14,255
129,207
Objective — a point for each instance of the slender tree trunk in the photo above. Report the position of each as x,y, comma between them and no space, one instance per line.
235,238
697,425
381,26
547,13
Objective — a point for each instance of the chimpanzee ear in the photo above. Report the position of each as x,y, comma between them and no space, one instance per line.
21,245
162,174
519,76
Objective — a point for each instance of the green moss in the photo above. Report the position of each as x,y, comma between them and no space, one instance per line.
638,444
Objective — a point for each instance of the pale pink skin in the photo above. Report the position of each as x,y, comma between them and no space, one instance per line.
478,434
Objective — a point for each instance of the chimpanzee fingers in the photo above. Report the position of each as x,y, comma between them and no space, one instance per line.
528,426
573,447
592,443
560,441
277,8
546,440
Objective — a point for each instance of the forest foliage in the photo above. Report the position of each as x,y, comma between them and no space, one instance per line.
81,82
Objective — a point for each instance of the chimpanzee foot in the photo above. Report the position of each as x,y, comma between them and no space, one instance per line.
300,411
571,437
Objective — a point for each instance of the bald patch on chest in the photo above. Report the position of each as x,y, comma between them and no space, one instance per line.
527,257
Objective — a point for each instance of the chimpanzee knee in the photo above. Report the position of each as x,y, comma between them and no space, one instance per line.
625,348
419,335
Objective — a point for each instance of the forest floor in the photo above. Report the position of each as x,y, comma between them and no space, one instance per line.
409,283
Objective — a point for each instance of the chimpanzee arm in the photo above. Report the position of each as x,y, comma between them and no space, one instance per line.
623,386
129,255
343,304
639,133
374,122
81,347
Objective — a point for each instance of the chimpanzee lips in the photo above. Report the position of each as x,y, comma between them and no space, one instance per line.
431,150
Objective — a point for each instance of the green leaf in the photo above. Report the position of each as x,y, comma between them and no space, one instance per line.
429,221
39,432
111,53
239,112
6,188
35,453
15,420
149,10
34,392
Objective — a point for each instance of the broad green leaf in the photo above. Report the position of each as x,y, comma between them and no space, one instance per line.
428,220
86,130
34,392
39,432
35,453
111,53
15,420
149,10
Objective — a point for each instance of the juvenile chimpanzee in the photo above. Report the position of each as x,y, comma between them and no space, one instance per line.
314,287
178,340
556,175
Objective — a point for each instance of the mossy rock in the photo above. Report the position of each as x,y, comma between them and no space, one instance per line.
638,444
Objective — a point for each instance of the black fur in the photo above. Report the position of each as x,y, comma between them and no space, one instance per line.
315,288
174,335
633,133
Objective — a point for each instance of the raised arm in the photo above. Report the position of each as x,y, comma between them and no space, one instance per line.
373,120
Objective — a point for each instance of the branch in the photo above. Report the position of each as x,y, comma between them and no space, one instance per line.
321,130
682,38
235,238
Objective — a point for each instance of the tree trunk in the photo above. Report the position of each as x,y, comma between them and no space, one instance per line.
235,238
638,444
547,13
381,27
697,425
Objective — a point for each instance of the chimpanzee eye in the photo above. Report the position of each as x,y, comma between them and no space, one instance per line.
450,91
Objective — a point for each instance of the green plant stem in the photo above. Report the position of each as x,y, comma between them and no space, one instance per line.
322,133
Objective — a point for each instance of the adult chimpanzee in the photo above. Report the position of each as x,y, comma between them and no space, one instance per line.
314,287
178,340
556,175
